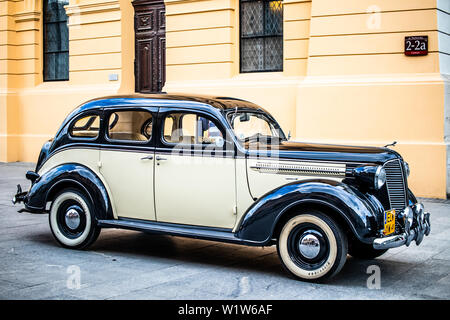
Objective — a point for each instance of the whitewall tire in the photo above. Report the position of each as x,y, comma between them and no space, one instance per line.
72,220
312,246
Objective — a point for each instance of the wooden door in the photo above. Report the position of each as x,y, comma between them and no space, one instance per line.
150,45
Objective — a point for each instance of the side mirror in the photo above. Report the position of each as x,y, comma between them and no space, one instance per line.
244,117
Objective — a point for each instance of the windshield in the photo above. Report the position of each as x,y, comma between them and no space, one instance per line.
250,125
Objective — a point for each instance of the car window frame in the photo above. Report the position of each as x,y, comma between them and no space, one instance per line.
168,112
109,111
265,114
81,116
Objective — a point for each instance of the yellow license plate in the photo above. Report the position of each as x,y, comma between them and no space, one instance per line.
389,222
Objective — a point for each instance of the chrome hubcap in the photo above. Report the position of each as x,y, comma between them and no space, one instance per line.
309,246
72,219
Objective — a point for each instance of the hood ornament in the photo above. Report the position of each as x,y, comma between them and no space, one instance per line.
391,144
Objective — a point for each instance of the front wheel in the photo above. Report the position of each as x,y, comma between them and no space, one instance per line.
72,220
312,246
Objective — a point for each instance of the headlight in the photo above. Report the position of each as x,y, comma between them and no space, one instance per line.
380,177
372,176
406,166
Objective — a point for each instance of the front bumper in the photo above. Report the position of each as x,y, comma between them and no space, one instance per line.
416,230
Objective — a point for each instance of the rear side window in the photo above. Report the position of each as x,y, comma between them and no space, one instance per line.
86,127
130,126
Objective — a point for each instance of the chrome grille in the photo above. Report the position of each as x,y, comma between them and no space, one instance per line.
395,183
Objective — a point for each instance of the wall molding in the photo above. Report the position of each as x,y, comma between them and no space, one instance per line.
92,7
27,16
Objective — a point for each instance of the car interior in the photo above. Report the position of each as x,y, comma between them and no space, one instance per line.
130,125
189,128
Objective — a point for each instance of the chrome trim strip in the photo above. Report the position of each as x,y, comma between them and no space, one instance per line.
300,168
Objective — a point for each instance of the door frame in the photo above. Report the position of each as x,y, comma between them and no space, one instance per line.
192,151
155,32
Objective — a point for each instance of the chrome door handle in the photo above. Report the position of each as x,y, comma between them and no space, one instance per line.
147,158
158,158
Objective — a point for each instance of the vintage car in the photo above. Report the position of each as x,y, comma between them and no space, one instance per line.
220,168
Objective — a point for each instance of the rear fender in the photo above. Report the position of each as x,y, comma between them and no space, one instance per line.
69,175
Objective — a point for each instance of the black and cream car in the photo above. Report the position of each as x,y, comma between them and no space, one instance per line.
220,168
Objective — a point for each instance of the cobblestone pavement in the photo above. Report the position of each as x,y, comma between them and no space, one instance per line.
133,265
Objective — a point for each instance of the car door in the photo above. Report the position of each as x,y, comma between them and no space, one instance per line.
194,178
127,161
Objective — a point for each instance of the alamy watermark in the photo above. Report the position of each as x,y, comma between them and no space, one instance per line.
374,279
74,279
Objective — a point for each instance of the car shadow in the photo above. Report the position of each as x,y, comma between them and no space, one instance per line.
123,245
177,250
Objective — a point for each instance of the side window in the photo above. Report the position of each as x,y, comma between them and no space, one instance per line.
56,40
169,123
130,126
261,33
86,127
190,128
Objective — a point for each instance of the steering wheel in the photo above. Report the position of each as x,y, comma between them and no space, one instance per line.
114,122
147,127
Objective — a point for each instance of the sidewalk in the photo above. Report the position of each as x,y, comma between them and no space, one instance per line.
133,265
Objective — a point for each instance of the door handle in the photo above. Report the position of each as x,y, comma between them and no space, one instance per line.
158,158
147,158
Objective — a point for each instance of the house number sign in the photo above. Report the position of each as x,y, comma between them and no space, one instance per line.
416,46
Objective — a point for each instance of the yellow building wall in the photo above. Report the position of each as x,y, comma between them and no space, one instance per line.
345,77
101,42
360,80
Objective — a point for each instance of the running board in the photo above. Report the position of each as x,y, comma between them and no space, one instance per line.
204,233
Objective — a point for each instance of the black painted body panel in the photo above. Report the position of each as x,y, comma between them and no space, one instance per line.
204,233
323,152
75,174
354,207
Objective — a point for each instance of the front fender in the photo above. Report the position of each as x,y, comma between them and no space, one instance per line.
69,174
360,212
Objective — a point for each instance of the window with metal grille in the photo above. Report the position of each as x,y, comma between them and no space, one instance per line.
261,28
56,41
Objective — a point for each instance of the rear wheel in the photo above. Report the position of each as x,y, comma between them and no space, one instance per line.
72,220
312,246
364,251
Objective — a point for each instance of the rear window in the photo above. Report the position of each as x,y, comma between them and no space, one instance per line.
86,127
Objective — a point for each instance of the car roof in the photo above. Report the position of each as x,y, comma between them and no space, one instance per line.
222,103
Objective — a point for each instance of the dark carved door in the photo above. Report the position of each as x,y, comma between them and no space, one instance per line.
150,45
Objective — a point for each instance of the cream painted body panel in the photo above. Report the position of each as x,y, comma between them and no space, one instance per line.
84,156
243,196
266,179
195,190
131,182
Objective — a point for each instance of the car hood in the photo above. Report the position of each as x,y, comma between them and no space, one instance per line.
323,152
